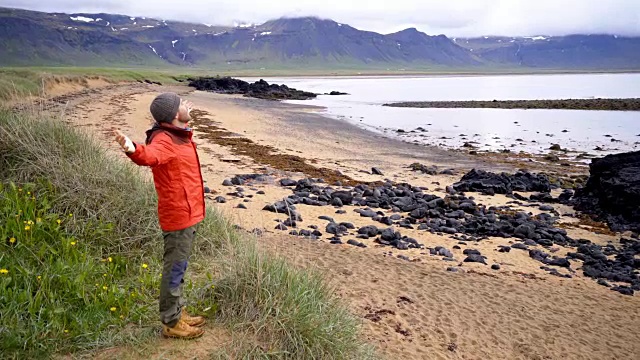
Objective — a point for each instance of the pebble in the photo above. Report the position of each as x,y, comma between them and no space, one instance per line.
376,171
356,243
476,258
305,232
288,182
471,252
520,246
348,225
290,223
369,230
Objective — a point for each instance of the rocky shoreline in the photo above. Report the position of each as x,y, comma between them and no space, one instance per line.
632,104
260,89
397,207
401,205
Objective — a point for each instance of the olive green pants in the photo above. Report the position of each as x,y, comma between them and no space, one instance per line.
177,249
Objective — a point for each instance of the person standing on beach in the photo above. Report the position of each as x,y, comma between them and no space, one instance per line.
172,156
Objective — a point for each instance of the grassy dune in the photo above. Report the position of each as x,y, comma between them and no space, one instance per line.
16,83
80,259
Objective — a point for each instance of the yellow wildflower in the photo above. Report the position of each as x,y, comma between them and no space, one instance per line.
39,277
27,228
38,220
28,192
144,266
73,243
29,222
66,331
110,259
58,221
12,240
70,215
105,275
104,288
4,271
113,309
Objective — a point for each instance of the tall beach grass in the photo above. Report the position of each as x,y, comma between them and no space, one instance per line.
77,298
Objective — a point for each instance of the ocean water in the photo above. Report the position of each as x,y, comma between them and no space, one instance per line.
532,131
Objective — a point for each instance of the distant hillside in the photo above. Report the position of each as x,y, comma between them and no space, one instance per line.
36,38
562,52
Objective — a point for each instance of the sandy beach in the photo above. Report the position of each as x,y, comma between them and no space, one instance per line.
411,307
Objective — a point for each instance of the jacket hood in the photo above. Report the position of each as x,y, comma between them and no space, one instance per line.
184,133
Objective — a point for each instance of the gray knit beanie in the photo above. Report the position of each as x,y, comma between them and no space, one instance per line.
165,107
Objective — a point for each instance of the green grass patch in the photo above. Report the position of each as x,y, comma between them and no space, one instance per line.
55,272
17,83
59,291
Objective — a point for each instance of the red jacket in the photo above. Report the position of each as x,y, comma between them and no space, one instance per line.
172,156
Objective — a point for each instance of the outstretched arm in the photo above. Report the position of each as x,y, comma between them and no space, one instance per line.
157,153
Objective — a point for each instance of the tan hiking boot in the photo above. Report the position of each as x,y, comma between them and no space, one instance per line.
192,320
182,330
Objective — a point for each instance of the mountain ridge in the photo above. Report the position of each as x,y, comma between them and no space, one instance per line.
79,39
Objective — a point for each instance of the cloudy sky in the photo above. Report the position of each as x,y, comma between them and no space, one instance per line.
450,17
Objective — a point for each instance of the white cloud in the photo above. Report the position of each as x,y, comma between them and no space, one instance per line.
450,17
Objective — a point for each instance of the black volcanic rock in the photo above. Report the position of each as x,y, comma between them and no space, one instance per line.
404,205
260,89
480,180
376,171
429,170
623,268
612,193
476,258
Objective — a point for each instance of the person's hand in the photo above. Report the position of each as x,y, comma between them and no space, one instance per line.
125,143
188,104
